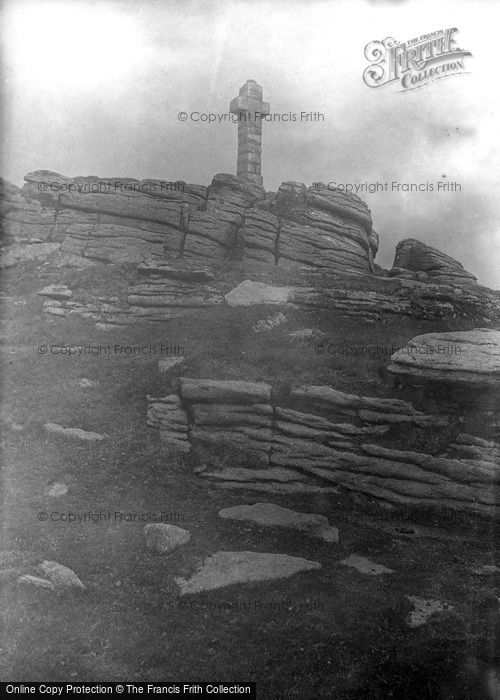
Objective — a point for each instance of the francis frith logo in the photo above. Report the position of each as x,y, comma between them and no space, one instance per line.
416,62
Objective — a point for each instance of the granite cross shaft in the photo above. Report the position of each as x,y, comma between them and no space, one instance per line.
250,110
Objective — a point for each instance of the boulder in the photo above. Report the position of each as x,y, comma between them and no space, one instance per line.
418,260
470,357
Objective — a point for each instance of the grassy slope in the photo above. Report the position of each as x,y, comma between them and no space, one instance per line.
348,640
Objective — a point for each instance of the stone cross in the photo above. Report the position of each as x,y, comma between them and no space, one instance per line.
251,110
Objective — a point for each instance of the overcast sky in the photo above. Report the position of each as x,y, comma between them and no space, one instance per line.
96,88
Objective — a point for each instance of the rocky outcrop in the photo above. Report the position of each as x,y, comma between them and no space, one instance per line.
319,437
470,357
182,238
417,260
162,291
115,220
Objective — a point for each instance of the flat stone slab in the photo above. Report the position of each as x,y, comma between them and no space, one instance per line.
365,566
424,609
459,356
272,515
228,568
248,293
73,433
163,538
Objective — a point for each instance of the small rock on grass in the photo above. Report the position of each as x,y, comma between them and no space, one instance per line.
57,490
163,538
61,576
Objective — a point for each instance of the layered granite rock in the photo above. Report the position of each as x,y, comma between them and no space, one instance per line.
115,220
417,260
318,438
470,357
171,290
177,233
230,412
324,228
